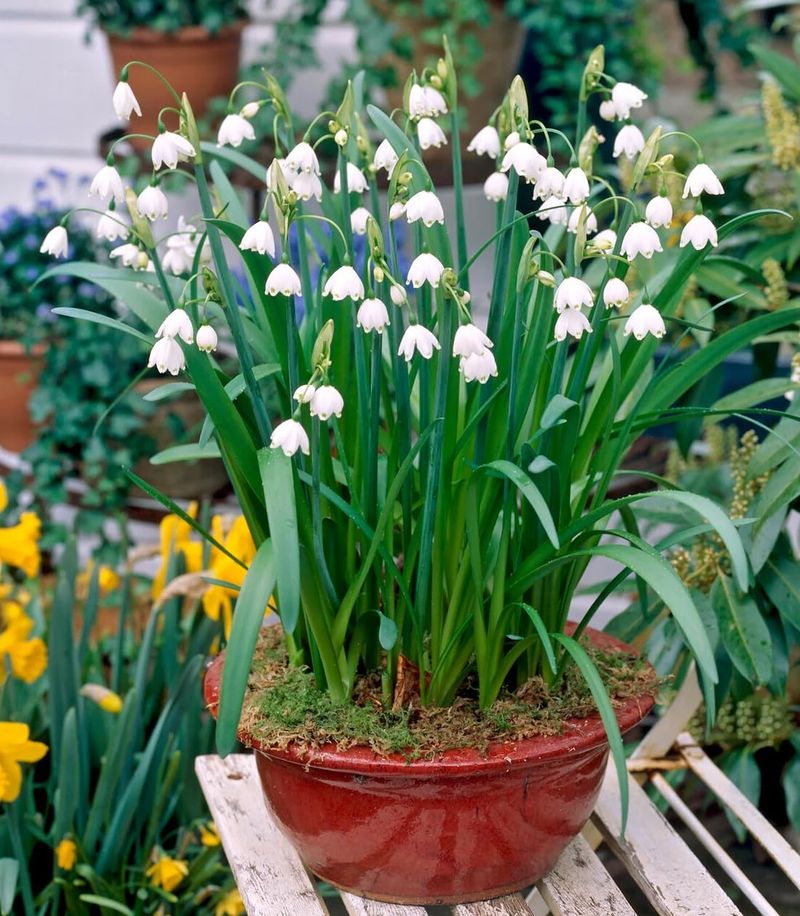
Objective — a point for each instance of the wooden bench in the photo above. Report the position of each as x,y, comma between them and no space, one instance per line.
273,881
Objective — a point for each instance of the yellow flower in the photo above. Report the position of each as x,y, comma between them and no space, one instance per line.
168,873
106,699
230,905
107,579
16,748
19,544
3,497
28,659
66,854
209,835
174,537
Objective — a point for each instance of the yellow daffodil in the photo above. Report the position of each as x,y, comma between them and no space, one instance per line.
66,854
28,659
16,748
230,905
168,873
107,579
174,537
209,835
3,497
106,699
19,544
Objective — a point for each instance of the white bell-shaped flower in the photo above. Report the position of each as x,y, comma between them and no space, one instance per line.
283,281
234,129
496,187
259,237
430,134
702,180
56,243
356,180
358,220
644,320
276,168
573,323
385,157
640,239
397,210
177,324
128,254
425,205
605,240
326,402
629,141
511,140
206,339
554,211
470,340
576,186
658,212
590,223
573,293
302,158
124,101
608,110
304,393
699,232
550,183
167,356
107,183
307,185
169,149
526,161
152,203
425,101
478,367
626,97
486,142
344,283
419,339
615,293
290,436
398,295
372,315
112,227
425,268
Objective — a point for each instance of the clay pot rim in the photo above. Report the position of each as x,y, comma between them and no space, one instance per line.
16,350
188,34
580,735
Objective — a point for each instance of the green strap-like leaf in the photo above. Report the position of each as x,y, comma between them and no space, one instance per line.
531,492
744,631
96,318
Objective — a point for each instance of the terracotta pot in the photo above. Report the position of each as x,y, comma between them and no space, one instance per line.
19,374
465,826
194,61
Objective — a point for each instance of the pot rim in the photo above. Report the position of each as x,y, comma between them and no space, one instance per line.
142,34
580,735
10,348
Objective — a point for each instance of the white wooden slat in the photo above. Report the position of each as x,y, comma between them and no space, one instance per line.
767,836
269,874
512,905
579,885
674,880
659,740
360,906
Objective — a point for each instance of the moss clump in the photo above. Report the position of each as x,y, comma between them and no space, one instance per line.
285,706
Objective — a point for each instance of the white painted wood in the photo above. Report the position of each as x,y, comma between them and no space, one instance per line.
360,906
269,874
512,905
767,836
535,903
674,880
579,885
659,740
736,875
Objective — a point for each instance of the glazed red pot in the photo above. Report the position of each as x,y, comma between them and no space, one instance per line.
465,826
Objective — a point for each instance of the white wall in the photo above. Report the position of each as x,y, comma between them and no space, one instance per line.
55,90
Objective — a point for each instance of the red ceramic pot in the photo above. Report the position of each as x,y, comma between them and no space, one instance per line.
465,826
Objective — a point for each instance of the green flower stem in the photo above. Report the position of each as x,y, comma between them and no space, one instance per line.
316,513
291,344
155,72
376,357
458,187
234,317
345,203
17,847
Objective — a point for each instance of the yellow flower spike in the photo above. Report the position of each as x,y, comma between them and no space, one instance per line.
66,854
174,537
209,835
230,905
28,659
106,699
19,544
168,873
16,748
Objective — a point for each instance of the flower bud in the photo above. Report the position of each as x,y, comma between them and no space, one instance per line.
378,274
340,137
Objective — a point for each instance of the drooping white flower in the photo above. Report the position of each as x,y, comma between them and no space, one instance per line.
425,205
307,185
629,141
178,259
206,338
511,140
590,225
167,356
478,366
397,210
699,232
640,239
344,283
615,293
234,129
290,436
356,180
470,339
55,243
124,101
169,149
430,134
605,240
550,183
279,165
573,293
554,211
304,393
702,180
626,96
486,142
372,315
425,101
425,268
385,157
128,254
571,322
576,186
259,237
107,183
420,339
398,295
112,227
302,158
177,324
608,110
526,161
152,203
496,186
358,220
658,212
326,402
283,281
645,320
